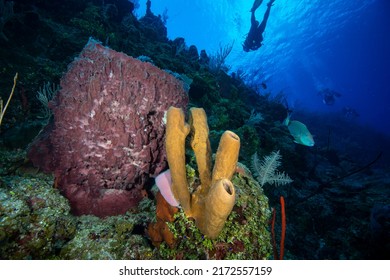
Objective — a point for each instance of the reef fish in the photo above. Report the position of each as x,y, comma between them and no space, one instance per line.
255,5
299,131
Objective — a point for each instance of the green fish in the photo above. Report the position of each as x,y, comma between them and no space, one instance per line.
255,5
299,131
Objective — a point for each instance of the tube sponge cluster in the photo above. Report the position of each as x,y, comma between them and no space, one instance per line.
211,203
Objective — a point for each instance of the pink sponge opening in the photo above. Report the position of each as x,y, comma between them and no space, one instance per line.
164,183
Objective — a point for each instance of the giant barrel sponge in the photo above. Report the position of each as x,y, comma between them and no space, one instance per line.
106,138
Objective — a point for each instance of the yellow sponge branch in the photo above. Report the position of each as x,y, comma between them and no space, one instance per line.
200,144
227,156
218,205
176,133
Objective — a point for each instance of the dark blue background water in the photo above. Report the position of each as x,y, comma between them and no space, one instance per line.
309,45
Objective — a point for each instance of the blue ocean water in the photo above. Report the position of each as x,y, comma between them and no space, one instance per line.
309,45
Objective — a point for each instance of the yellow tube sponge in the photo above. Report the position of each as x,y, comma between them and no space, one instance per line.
200,144
176,133
213,200
227,156
217,206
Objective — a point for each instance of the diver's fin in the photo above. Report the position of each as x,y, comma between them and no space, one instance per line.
255,5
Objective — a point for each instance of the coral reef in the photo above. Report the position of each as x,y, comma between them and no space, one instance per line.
36,223
35,218
245,234
153,25
329,216
106,138
113,238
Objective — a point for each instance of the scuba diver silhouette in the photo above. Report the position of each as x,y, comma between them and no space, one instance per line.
328,96
254,38
350,113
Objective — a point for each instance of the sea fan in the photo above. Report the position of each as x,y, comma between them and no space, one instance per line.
265,170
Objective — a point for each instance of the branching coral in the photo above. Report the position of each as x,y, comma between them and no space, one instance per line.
3,109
